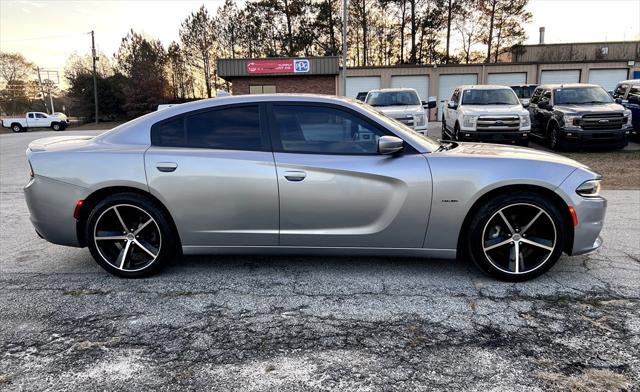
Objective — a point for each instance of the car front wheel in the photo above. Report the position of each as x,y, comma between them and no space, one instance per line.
517,236
56,127
130,236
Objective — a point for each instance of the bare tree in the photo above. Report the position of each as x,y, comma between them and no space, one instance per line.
198,40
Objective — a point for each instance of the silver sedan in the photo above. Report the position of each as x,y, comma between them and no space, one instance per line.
305,174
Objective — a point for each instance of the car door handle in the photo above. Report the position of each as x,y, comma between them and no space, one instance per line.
294,175
166,167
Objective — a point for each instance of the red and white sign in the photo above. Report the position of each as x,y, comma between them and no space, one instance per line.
269,66
277,66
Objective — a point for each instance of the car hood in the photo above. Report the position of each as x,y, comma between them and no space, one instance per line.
488,150
587,109
493,109
399,111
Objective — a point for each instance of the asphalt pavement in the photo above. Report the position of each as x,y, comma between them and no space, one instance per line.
312,323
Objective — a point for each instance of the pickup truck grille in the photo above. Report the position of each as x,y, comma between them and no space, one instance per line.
602,121
408,121
498,123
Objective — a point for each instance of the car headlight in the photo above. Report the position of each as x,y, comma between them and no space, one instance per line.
628,115
525,121
571,121
418,119
590,188
469,121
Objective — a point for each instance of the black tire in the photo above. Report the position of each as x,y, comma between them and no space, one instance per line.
482,227
165,243
554,138
456,131
17,128
56,126
444,130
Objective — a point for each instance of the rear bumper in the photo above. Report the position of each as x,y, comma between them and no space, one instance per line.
493,137
51,204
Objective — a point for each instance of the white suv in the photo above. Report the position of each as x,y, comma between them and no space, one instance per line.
401,104
486,113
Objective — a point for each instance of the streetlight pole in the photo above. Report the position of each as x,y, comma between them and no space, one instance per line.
345,4
95,77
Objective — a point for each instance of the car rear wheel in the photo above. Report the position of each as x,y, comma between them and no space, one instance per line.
130,236
17,128
516,237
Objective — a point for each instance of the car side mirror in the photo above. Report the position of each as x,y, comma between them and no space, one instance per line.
618,100
634,99
390,145
452,105
525,105
544,105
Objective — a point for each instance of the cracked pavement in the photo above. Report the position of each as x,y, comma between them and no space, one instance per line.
312,323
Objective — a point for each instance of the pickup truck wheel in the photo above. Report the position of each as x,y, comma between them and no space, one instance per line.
56,126
554,138
17,128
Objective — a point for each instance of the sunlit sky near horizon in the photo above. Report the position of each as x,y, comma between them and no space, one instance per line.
47,32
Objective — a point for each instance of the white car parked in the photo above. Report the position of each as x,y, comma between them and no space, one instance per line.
486,113
35,120
401,104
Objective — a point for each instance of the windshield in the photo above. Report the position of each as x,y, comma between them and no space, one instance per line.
393,98
429,143
503,96
523,91
580,95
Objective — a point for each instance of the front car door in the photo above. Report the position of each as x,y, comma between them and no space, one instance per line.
214,170
41,120
336,190
451,113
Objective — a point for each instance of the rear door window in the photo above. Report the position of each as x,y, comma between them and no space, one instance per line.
230,128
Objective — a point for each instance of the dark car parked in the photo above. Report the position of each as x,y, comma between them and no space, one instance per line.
578,115
627,93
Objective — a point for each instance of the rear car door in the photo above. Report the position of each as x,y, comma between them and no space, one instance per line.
214,170
336,190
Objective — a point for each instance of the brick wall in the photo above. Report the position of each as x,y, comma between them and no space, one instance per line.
312,84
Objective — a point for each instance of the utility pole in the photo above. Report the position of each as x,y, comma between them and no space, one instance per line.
345,4
44,100
95,77
448,32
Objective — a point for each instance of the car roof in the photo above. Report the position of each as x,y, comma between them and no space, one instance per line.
630,81
384,90
567,85
483,87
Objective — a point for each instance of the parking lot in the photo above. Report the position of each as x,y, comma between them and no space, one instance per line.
313,323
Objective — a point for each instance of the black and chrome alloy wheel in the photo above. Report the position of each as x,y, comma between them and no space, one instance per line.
127,237
519,238
130,235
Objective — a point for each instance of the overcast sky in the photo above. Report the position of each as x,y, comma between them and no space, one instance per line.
46,32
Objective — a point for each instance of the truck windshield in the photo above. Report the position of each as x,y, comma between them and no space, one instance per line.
580,95
393,98
503,96
523,91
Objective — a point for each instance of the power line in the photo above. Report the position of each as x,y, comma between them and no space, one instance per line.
42,37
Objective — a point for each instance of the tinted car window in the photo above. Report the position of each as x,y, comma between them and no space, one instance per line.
620,90
634,91
393,98
39,115
489,97
535,97
324,130
169,133
580,95
234,128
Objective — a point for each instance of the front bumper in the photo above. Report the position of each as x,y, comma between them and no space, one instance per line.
51,204
493,137
608,137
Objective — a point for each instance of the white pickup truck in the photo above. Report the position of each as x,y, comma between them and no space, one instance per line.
486,113
401,104
35,120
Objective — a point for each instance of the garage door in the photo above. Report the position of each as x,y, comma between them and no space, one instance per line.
507,78
607,78
418,82
356,84
564,76
447,83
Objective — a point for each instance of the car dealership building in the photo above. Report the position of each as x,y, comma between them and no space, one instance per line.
603,63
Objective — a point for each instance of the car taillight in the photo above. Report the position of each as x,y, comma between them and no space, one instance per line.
78,209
